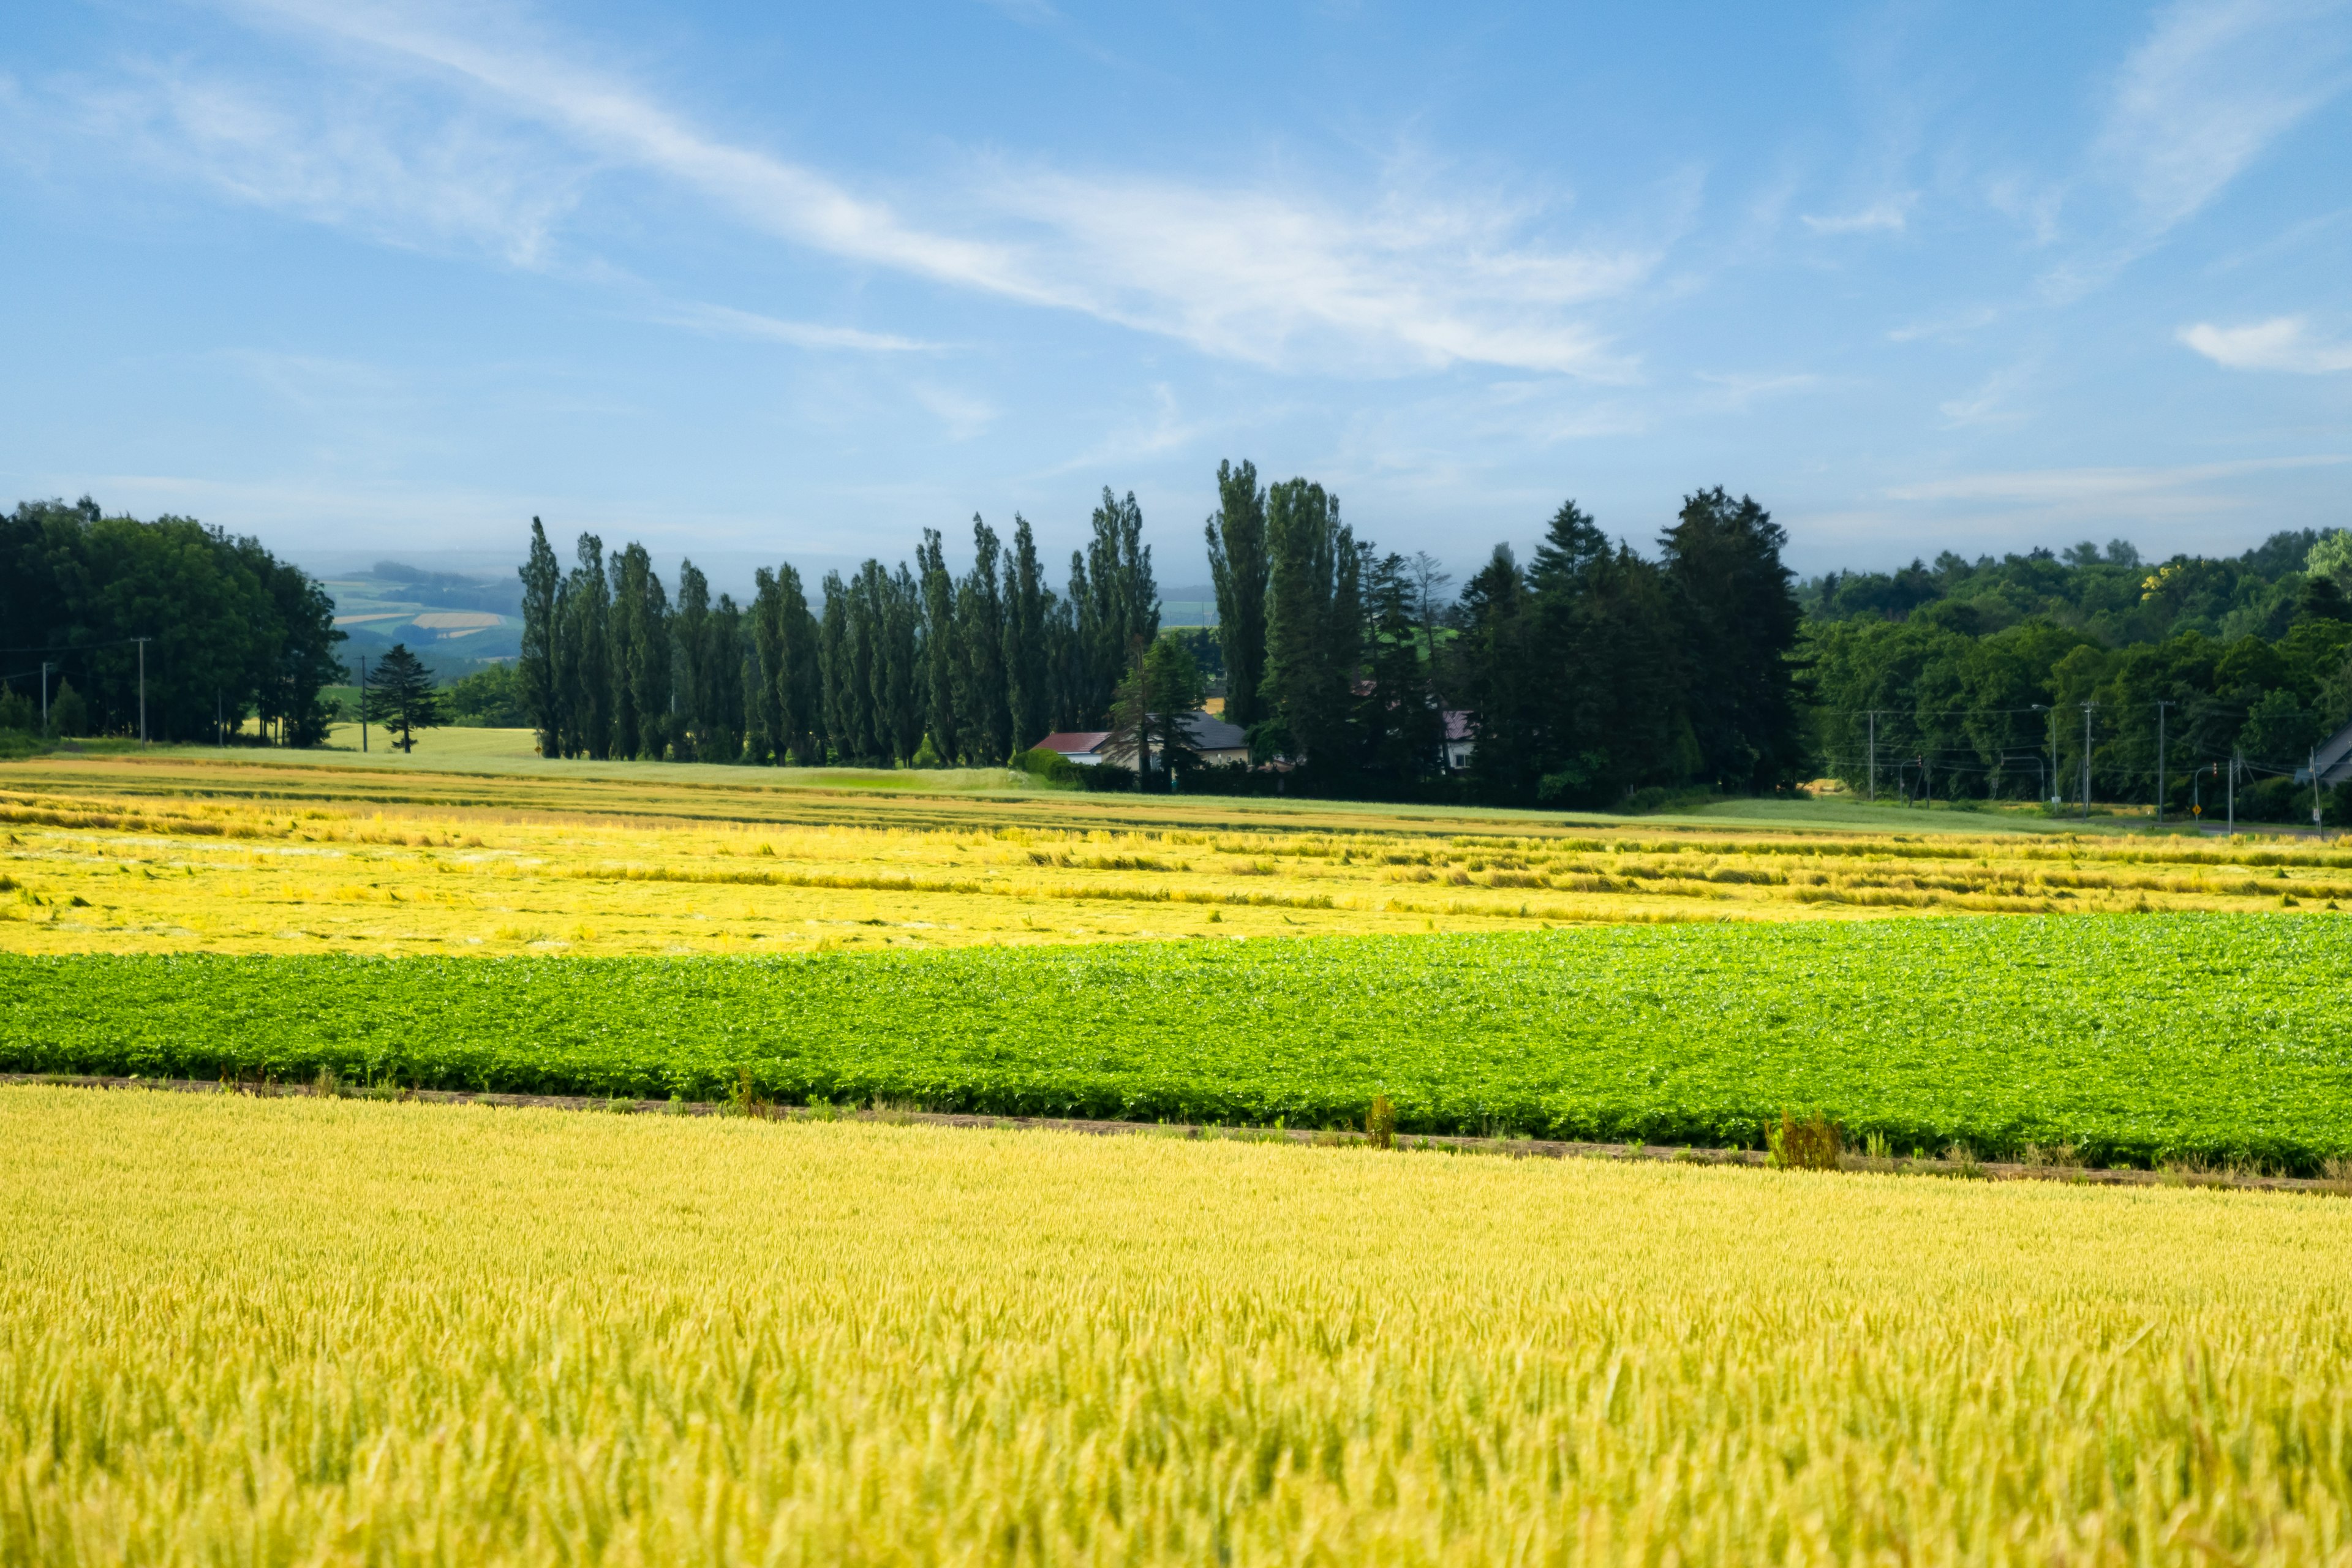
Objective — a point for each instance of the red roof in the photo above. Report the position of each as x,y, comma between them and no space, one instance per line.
1457,724
1071,742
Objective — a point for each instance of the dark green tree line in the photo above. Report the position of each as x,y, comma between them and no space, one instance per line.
233,633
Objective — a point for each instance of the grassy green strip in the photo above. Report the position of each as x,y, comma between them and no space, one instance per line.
2136,1038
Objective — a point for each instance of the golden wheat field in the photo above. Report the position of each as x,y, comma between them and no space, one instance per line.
295,1331
172,854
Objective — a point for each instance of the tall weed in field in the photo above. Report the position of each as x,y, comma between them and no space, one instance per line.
1814,1143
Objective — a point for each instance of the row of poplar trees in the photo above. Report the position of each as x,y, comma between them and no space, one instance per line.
1589,673
922,667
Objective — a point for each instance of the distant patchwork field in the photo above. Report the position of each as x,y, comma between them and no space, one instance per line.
163,856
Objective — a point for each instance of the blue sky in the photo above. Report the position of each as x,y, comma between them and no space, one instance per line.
795,282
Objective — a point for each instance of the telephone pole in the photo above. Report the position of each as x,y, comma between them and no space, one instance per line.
1874,757
143,643
2233,794
2054,775
2086,760
45,697
363,702
2160,707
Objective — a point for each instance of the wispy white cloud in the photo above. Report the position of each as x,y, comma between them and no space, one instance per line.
2137,485
724,321
2211,86
2283,342
1163,429
963,415
1408,280
357,161
1736,391
1888,217
1990,402
1953,325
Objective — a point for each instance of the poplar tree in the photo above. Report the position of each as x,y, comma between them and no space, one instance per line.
899,703
790,708
1237,563
837,658
983,701
1313,626
723,693
691,626
535,669
767,621
586,653
798,704
641,656
942,645
1027,600
1116,599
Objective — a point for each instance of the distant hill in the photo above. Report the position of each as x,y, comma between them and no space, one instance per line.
455,624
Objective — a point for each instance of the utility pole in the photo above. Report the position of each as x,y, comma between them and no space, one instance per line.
1874,757
2315,789
2160,707
2233,794
2086,759
363,702
2053,752
45,697
143,643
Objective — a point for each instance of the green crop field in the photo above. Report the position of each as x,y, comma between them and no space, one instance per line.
2134,1039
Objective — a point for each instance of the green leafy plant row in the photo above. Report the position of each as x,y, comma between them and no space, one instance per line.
2135,1039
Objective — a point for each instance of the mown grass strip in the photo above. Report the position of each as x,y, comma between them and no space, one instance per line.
2131,1040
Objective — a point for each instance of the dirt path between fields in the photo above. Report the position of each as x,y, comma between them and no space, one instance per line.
1518,1148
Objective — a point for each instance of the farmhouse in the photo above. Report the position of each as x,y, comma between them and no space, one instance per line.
2332,759
1458,739
1218,743
1083,747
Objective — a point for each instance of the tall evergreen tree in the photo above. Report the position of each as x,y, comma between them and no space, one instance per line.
1736,621
535,669
1313,626
1027,664
1237,562
1151,711
981,693
1613,713
1401,730
400,696
942,647
1498,681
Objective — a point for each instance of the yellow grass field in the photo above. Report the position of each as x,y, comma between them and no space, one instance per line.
297,1332
180,853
